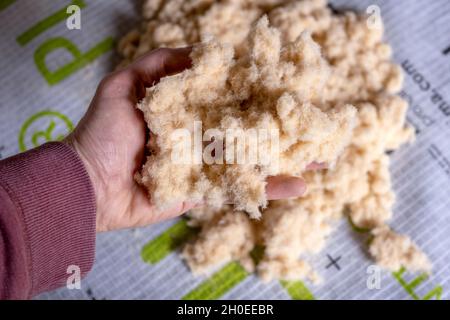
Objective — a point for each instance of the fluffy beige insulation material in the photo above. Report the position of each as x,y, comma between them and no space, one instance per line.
325,81
271,88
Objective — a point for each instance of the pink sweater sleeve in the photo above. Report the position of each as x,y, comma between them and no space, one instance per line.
47,220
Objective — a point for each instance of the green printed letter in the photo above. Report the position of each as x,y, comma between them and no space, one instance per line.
79,59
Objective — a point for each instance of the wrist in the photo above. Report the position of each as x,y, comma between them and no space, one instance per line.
94,175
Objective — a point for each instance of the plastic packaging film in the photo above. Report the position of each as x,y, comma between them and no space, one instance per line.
49,75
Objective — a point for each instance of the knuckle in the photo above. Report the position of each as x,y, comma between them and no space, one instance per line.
108,81
113,84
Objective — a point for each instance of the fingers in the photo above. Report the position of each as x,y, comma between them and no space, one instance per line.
278,187
154,216
283,187
179,209
145,72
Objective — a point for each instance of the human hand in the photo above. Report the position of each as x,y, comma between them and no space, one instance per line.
111,139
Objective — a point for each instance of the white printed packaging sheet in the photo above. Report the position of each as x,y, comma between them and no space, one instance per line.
49,74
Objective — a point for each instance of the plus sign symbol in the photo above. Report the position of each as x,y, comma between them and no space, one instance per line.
333,262
446,51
